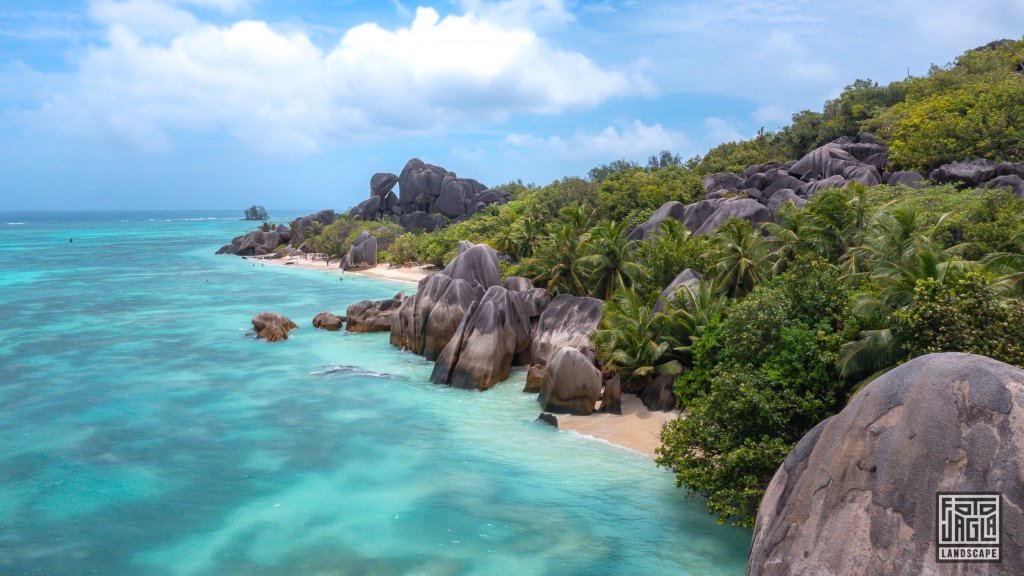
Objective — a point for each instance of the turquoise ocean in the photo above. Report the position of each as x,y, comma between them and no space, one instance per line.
143,430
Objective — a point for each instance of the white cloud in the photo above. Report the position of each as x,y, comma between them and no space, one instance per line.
521,13
771,114
636,141
276,91
722,130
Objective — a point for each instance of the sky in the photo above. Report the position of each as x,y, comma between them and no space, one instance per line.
220,104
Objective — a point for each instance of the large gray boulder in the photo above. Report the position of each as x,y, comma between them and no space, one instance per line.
687,277
694,215
811,189
477,263
781,183
491,333
381,183
670,209
573,385
905,178
1010,169
659,395
419,186
373,315
418,221
1011,181
425,323
328,321
362,254
857,495
567,321
969,172
720,181
741,208
819,159
272,327
323,217
781,197
254,243
865,174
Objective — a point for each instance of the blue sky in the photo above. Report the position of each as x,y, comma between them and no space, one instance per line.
143,104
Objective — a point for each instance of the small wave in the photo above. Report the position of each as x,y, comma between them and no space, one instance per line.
15,223
344,369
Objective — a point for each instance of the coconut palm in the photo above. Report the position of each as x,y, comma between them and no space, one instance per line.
792,233
528,235
1008,267
612,257
839,217
737,258
555,264
634,341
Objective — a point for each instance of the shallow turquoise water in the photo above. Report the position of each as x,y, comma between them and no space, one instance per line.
142,431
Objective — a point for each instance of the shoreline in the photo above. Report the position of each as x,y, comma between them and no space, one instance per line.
411,274
637,429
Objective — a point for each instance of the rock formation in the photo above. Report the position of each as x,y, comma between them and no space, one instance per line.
272,327
573,385
568,321
362,254
426,322
857,495
685,278
373,315
491,333
328,321
429,197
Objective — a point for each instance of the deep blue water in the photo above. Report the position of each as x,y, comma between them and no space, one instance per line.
143,431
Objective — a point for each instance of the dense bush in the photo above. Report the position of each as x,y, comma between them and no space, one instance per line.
762,377
962,315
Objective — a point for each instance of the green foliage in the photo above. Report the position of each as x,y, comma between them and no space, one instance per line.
762,377
255,212
670,252
971,109
737,257
631,194
635,342
337,237
737,156
964,314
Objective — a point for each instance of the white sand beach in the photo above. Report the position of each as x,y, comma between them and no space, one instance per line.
637,428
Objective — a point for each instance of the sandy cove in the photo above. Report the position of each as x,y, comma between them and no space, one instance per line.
637,429
382,271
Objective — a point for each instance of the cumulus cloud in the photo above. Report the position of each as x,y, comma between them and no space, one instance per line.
634,141
162,69
722,130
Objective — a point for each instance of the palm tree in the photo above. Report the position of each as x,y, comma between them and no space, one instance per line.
1009,266
899,251
634,341
737,257
611,261
839,217
577,216
507,241
791,234
555,265
528,235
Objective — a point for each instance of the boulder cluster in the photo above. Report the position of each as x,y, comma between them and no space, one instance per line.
429,197
476,328
761,190
260,243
